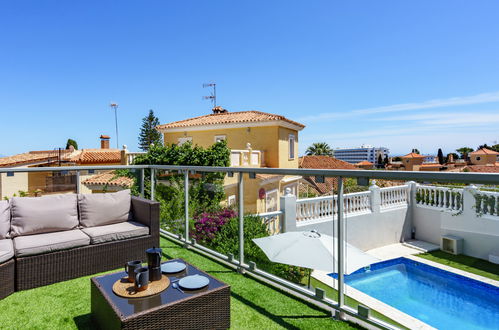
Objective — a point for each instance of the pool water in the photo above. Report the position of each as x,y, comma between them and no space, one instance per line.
439,298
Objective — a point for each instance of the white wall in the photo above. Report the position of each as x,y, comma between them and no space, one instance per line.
370,230
480,233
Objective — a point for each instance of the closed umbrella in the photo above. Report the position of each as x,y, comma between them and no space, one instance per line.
311,249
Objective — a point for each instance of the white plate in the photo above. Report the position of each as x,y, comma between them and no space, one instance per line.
172,267
194,282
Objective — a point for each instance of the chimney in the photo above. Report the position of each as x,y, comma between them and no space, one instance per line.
219,109
104,141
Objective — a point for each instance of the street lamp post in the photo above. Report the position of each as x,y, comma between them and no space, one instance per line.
115,107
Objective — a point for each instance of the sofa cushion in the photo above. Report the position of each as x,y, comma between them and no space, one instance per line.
6,250
115,232
4,219
50,242
37,215
104,209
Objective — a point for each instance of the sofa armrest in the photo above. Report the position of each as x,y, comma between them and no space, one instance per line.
147,213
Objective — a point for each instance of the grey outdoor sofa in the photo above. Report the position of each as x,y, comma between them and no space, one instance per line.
54,238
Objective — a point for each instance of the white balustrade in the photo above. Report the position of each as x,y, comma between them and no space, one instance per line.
439,197
326,206
253,158
394,196
130,156
487,202
273,221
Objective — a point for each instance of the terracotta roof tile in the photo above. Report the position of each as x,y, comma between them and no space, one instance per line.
229,118
413,155
92,156
484,151
32,157
109,178
483,168
364,162
323,162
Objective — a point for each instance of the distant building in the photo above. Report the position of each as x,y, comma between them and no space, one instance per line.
41,183
365,165
364,153
429,159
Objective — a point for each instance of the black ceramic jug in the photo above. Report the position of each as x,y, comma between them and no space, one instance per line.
154,263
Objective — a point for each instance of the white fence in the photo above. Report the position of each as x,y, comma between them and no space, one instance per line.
487,203
394,196
325,207
439,197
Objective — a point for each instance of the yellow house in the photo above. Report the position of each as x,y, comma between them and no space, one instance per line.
484,156
412,161
256,139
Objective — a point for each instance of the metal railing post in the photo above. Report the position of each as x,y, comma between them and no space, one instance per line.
77,182
142,177
153,173
240,186
341,245
186,201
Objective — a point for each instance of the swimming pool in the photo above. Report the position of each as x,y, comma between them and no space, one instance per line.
439,298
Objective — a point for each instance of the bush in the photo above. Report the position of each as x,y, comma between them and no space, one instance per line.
208,224
227,241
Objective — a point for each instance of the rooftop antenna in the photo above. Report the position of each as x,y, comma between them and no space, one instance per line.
115,107
213,96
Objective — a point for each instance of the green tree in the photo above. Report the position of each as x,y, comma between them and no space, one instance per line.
73,143
440,156
483,146
495,147
319,149
416,151
379,162
205,189
464,151
148,133
385,160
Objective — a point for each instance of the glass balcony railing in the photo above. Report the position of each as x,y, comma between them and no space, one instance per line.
387,215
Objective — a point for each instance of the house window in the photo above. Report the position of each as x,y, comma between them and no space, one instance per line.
291,142
183,140
219,138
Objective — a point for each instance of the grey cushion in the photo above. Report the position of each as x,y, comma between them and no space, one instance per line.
104,209
4,219
6,250
115,232
37,215
50,242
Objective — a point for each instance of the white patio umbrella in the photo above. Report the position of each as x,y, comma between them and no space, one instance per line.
313,250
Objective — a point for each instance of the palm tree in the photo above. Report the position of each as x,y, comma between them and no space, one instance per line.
319,149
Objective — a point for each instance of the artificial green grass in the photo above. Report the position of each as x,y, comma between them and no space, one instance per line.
254,305
469,264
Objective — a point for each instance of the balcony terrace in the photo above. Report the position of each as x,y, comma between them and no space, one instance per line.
375,218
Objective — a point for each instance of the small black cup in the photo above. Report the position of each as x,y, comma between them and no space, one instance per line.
130,268
141,278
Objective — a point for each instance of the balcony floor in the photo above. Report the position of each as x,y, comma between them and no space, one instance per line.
254,305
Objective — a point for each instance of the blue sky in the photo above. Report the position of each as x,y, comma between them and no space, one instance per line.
401,74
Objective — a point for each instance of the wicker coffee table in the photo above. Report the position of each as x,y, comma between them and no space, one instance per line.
207,308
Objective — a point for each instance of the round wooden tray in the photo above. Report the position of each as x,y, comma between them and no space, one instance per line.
125,289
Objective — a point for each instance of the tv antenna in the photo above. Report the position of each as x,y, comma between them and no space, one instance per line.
213,96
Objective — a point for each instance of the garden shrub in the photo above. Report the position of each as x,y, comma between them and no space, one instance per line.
208,224
227,241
